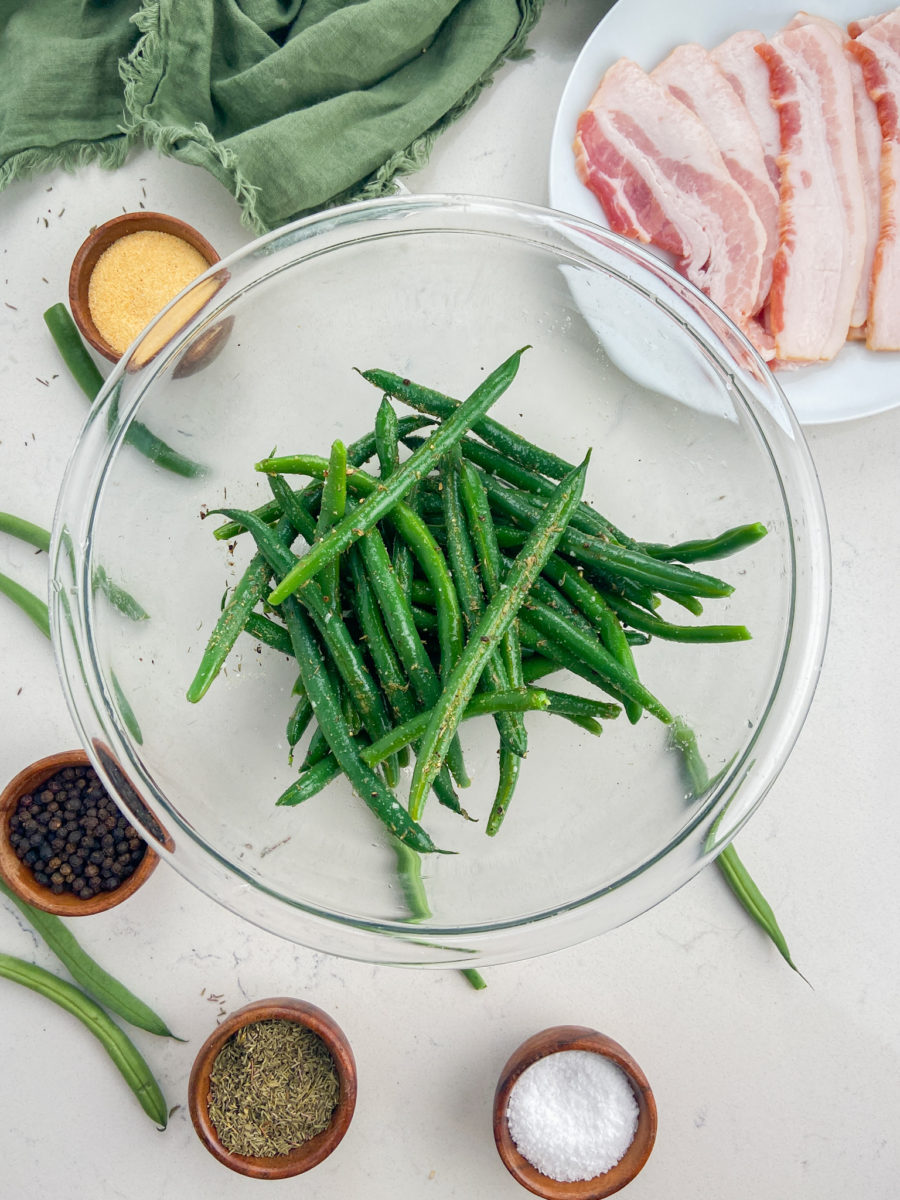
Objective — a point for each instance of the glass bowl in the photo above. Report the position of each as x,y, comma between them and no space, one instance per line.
691,435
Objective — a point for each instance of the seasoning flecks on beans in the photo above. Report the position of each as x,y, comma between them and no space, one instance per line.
73,837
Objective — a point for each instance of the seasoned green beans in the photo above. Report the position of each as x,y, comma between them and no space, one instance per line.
438,589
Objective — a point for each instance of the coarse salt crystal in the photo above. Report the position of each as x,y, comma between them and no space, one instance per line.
572,1115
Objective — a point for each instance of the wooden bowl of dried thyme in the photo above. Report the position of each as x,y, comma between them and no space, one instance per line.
273,1089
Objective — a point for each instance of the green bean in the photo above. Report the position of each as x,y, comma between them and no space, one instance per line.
474,977
498,615
537,666
398,619
594,654
129,720
729,542
510,767
117,596
317,752
444,407
488,459
544,592
648,623
84,371
632,564
365,515
566,704
394,683
347,658
33,607
739,880
331,510
313,778
267,631
118,1046
598,612
25,531
733,870
386,439
565,658
100,581
468,585
368,786
85,971
409,872
414,531
292,508
250,589
387,447
82,367
345,654
298,723
358,452
484,704
480,525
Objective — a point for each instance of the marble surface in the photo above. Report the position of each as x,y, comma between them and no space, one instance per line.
764,1083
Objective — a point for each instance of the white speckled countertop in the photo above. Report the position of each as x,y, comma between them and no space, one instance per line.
765,1086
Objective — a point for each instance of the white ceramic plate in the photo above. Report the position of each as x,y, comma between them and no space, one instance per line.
859,382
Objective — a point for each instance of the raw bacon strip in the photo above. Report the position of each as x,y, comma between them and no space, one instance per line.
868,145
746,72
691,75
878,50
855,28
660,178
822,219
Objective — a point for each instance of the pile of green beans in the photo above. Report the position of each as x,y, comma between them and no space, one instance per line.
442,585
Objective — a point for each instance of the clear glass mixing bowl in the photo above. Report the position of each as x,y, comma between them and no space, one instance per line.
690,435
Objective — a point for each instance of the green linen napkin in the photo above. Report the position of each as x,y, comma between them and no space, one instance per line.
293,105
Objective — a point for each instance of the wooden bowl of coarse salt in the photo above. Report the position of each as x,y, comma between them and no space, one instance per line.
127,270
574,1116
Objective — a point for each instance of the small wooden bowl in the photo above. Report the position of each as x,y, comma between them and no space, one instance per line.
311,1153
101,239
19,876
551,1041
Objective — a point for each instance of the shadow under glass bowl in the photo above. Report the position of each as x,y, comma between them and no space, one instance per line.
690,435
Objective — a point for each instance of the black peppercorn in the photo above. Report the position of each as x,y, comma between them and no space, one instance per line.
73,837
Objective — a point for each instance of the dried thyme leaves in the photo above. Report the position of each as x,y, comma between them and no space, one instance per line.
272,1087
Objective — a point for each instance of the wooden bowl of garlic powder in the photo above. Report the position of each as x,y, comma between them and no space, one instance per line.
127,270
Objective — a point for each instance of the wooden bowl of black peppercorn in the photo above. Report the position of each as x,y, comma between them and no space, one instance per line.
65,847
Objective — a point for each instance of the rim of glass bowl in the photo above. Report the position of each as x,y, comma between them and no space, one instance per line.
730,803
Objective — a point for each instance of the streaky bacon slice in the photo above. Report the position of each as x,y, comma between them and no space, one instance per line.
692,76
878,51
855,28
660,178
822,216
868,145
736,57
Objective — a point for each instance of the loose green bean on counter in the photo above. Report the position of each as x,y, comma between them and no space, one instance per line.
85,971
126,1056
442,588
86,374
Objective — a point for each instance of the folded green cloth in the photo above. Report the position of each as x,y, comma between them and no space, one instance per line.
293,105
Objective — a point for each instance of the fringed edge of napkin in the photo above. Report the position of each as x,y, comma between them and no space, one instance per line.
141,71
108,152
